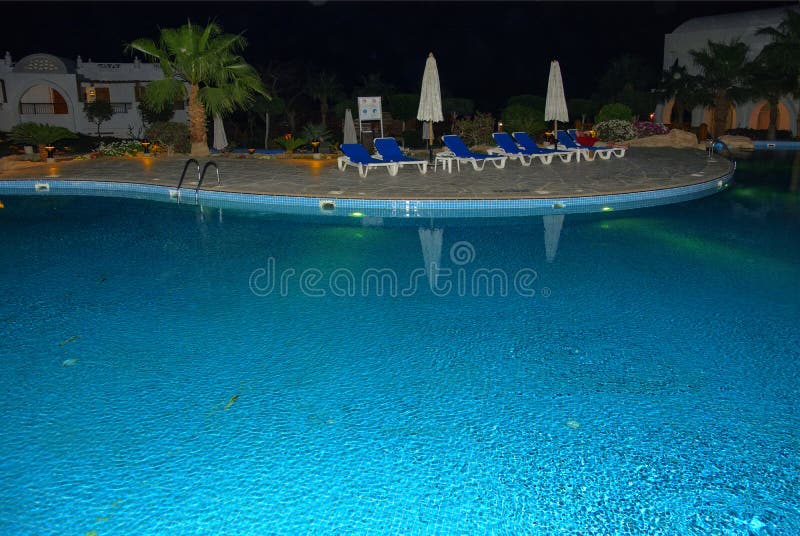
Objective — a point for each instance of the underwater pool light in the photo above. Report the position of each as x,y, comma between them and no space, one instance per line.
357,214
607,209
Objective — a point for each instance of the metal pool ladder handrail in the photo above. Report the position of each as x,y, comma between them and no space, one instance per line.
203,176
183,175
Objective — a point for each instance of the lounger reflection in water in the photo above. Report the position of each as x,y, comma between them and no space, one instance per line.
389,151
355,155
462,154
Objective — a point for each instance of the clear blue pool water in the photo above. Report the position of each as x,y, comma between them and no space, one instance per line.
649,386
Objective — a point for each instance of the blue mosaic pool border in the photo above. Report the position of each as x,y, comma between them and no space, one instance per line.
387,208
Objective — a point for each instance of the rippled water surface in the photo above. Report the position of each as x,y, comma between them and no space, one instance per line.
171,371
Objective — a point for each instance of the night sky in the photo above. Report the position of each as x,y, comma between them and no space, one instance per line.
486,51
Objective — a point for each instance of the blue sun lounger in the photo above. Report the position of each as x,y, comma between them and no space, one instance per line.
355,155
528,144
589,152
507,146
462,154
389,151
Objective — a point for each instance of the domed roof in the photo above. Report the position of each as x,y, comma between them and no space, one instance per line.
43,63
735,21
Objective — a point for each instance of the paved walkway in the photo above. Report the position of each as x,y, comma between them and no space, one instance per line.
641,169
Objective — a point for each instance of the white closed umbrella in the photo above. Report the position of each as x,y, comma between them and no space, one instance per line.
430,100
555,106
431,242
552,232
349,127
220,140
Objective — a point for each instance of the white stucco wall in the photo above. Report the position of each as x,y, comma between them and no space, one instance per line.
695,34
32,87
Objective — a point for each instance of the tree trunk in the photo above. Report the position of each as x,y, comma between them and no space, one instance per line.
323,109
266,130
680,109
773,120
721,105
797,127
197,123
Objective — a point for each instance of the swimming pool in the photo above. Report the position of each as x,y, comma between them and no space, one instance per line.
642,382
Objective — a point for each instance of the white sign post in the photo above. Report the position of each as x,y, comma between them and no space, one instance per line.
369,109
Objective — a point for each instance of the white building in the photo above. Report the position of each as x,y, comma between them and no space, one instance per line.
695,34
46,89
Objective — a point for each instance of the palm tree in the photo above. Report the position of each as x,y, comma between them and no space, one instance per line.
323,87
685,89
723,74
784,51
373,84
206,60
767,81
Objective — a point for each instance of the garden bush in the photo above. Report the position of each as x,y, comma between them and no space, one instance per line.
645,129
120,148
174,136
615,130
614,111
520,118
476,130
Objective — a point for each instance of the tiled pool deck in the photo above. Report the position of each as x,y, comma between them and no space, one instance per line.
641,169
644,177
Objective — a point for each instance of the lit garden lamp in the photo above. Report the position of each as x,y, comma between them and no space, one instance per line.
251,150
50,149
499,126
315,145
146,147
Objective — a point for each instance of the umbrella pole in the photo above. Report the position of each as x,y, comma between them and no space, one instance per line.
430,142
555,133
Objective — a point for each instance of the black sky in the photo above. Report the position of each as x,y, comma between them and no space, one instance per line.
485,50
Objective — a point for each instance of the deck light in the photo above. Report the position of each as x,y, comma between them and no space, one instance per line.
49,149
251,150
146,147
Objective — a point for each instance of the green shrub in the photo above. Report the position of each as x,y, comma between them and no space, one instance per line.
459,106
476,130
174,136
615,130
614,111
315,131
413,138
39,134
289,144
530,101
582,109
404,106
520,118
